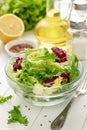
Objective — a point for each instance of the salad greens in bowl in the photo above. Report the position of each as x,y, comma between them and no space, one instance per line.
44,77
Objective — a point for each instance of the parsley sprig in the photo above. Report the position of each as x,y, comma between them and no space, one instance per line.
16,116
4,99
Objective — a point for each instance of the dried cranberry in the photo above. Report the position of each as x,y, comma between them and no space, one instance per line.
61,54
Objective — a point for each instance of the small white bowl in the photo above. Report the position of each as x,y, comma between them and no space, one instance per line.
18,42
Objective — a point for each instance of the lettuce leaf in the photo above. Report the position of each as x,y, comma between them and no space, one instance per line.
16,116
39,65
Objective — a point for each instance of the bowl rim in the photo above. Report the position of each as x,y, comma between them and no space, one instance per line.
47,88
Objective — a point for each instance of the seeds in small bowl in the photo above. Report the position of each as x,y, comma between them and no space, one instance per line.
16,46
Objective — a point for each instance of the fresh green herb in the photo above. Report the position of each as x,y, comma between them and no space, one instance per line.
40,54
4,99
16,116
38,65
72,67
30,11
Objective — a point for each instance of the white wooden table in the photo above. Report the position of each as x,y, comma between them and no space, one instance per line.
39,118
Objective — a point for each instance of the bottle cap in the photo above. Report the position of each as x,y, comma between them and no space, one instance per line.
78,22
80,5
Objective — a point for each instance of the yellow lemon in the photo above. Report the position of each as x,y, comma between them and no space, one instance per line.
11,27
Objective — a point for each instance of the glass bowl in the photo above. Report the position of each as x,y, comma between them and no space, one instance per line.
43,96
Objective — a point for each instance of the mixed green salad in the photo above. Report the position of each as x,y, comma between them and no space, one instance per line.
42,71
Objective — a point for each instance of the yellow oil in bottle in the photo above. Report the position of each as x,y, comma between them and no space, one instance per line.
53,31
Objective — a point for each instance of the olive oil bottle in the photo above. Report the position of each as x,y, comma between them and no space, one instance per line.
53,30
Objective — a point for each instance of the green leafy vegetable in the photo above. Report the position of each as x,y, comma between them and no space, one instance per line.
38,65
16,116
4,99
74,71
30,11
72,67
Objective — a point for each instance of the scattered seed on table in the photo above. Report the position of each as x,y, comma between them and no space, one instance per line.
84,105
25,105
45,115
28,109
8,116
41,124
49,121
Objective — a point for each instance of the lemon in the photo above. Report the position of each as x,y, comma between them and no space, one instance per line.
11,27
